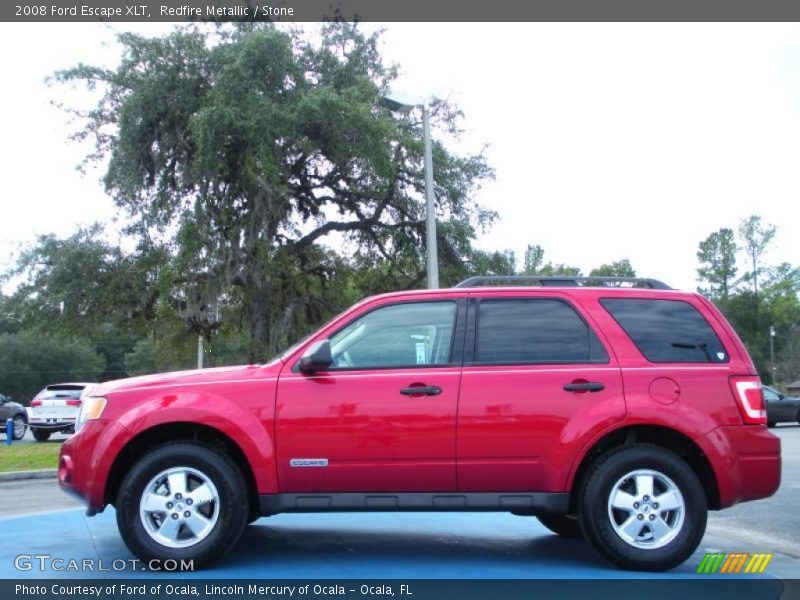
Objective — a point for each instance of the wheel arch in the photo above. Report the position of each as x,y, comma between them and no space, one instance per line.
664,437
178,431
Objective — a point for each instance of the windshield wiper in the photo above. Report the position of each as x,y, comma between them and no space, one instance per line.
687,346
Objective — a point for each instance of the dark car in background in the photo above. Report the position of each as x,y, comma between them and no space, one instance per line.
780,407
16,412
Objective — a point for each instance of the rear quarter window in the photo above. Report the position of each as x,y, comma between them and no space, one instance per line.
667,331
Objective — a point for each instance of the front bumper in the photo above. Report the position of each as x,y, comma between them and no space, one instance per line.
86,460
746,460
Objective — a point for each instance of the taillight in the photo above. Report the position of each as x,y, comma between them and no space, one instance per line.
73,402
36,402
750,399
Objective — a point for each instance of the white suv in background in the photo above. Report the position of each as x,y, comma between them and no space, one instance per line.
55,409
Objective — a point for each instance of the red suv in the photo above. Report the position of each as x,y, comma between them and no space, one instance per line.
615,409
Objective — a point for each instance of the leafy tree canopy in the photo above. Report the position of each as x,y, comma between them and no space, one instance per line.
717,256
762,305
241,151
81,282
534,264
620,268
29,362
756,238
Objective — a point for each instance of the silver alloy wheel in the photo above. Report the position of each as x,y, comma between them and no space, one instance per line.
646,509
179,507
19,427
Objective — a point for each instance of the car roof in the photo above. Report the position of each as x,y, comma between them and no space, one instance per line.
609,290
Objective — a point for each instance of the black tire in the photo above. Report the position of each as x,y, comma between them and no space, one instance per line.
18,435
564,525
771,424
595,515
220,470
41,435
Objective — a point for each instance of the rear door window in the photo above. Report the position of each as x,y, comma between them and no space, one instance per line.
534,331
667,331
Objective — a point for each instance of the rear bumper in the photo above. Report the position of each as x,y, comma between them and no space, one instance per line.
746,460
52,426
37,421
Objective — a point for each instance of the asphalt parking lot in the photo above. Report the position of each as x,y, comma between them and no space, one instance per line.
36,517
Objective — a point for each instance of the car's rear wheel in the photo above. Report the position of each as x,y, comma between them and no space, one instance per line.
182,501
643,508
563,525
771,424
20,425
41,435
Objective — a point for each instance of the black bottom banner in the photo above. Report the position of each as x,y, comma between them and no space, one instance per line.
413,589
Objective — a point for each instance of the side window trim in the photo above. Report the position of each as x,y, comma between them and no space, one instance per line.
470,359
450,364
459,337
470,335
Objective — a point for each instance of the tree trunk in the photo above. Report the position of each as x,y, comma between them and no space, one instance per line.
259,309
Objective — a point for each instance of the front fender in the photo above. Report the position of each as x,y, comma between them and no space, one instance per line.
246,421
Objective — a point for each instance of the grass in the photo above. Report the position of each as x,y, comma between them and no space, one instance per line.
28,457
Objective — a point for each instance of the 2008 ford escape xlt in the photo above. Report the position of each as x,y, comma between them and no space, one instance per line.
615,409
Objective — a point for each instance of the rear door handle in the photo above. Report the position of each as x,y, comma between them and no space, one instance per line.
422,390
586,386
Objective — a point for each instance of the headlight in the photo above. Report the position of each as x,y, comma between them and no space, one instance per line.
91,408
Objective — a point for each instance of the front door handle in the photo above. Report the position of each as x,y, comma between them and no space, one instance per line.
421,390
584,386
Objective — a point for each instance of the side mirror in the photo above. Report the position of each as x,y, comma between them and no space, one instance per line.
316,358
781,396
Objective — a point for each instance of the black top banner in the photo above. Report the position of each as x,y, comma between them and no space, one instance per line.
397,10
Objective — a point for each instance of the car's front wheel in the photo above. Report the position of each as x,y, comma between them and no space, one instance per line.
182,501
643,508
20,425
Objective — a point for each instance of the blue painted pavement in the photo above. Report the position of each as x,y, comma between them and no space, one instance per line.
339,545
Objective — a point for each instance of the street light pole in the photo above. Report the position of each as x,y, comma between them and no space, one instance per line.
402,105
200,351
772,351
430,206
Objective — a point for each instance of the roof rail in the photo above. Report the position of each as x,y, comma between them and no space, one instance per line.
563,281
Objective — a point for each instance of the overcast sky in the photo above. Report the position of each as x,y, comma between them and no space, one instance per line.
609,141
